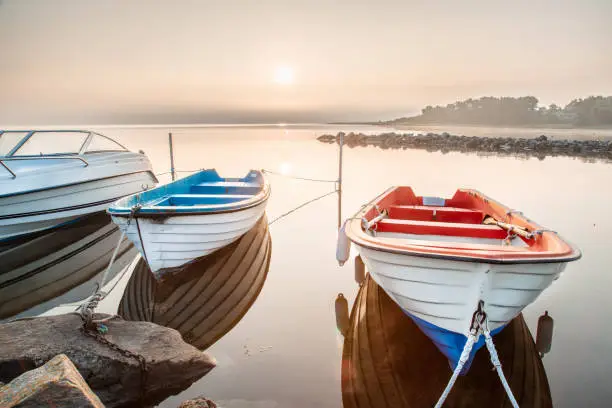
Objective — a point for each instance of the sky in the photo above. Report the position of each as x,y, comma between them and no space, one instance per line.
269,61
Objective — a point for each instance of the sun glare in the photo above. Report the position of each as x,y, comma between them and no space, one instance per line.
284,75
285,168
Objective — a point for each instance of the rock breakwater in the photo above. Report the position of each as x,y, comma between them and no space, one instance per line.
539,147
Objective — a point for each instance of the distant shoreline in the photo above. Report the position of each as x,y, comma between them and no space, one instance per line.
403,125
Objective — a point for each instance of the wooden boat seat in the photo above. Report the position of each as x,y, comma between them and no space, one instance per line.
441,228
225,187
182,200
441,214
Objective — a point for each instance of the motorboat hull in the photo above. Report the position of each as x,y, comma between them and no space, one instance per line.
29,212
37,269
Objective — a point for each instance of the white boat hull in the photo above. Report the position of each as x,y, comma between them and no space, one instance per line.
175,240
22,214
446,293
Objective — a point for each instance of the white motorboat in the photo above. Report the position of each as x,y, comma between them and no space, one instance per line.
51,177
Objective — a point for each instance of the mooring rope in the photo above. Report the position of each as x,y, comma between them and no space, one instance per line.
479,325
297,178
177,171
498,367
112,260
276,174
465,354
92,302
300,206
88,306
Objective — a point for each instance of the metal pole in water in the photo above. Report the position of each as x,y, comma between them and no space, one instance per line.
172,172
341,135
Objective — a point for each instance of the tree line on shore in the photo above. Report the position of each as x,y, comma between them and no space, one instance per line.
508,111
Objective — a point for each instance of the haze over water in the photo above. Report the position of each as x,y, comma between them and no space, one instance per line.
116,62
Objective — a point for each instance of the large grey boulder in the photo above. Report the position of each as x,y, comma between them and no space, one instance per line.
172,365
57,383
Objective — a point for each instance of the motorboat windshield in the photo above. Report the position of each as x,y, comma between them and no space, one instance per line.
37,143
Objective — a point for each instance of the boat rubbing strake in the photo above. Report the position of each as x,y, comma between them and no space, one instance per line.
439,258
192,217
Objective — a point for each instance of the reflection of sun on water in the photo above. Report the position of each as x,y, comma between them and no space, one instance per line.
285,168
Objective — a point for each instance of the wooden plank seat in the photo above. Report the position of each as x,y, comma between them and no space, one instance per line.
188,200
441,214
441,228
226,187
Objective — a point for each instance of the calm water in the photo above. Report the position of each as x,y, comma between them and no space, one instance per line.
286,351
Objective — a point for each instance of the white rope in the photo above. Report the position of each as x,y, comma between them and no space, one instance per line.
498,367
369,224
88,306
300,206
297,178
479,325
465,354
110,264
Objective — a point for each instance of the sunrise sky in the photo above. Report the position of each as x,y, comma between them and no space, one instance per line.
226,61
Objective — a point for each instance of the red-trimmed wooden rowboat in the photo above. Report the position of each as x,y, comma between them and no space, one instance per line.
439,258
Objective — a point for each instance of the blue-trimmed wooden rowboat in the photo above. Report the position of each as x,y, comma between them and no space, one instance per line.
192,217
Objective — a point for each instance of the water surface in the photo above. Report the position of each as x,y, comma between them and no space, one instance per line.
286,351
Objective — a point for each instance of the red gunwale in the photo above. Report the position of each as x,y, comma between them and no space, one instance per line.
461,215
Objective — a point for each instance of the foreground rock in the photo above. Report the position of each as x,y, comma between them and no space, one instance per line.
539,147
172,365
57,383
199,402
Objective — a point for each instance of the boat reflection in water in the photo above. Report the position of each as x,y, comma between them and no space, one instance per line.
388,362
61,265
206,298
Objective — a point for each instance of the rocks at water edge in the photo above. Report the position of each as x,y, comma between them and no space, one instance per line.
198,402
172,365
539,147
57,383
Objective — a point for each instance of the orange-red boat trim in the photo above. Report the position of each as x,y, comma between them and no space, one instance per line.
461,216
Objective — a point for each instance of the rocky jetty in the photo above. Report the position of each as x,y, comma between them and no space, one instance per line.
539,147
56,383
134,363
199,402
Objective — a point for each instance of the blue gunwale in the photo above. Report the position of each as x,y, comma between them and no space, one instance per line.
155,202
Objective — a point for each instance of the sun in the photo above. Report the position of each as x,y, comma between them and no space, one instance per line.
284,75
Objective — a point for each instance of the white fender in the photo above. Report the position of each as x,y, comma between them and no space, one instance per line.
343,247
